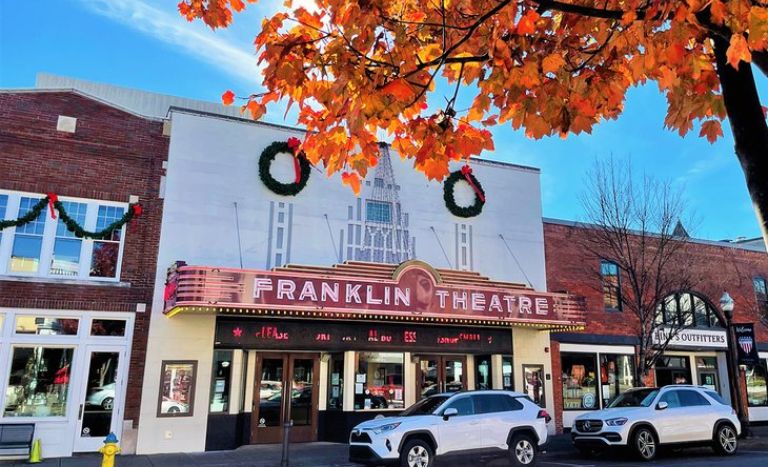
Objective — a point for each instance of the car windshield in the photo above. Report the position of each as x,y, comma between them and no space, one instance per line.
425,406
637,398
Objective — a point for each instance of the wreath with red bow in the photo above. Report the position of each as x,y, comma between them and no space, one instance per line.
448,186
301,167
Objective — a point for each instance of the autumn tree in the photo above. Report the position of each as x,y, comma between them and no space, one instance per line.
358,67
634,224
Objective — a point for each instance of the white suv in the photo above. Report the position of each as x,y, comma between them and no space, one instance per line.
644,418
447,425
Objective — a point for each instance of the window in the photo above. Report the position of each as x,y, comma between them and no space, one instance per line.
46,248
65,260
690,398
38,382
761,295
378,211
757,389
672,398
687,308
28,242
379,381
483,379
106,252
336,381
609,271
490,403
47,326
616,375
716,397
107,327
177,388
463,405
533,377
506,373
579,382
221,380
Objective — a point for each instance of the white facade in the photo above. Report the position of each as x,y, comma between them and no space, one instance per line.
212,186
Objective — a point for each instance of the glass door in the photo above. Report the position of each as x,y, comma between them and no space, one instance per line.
441,373
287,385
102,398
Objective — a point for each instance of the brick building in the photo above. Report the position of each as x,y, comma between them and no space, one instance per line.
74,309
590,367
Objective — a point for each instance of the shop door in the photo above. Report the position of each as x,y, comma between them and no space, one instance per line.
286,389
101,397
441,373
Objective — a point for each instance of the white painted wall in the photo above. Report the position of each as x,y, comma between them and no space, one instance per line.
213,164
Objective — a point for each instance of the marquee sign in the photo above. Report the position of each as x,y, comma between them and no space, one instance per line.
414,289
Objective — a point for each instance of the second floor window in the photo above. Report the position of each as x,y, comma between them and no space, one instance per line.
609,271
378,211
761,295
46,248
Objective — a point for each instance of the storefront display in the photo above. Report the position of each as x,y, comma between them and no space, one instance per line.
379,381
177,388
616,376
579,381
534,383
38,382
757,385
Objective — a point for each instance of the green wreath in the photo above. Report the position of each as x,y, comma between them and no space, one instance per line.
265,163
448,187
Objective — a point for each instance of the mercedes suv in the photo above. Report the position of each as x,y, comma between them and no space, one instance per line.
642,419
454,424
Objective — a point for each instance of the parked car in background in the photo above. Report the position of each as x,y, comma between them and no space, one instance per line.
171,406
643,419
475,423
103,396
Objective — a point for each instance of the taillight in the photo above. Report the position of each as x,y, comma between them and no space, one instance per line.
543,414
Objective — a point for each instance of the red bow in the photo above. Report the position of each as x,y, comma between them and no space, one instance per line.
137,210
467,172
294,143
52,198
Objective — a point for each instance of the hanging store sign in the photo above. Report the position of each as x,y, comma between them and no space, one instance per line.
691,338
269,334
414,290
746,346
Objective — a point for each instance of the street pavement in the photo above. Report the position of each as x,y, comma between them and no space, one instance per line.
753,452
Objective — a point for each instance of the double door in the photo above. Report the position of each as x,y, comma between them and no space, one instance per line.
441,373
286,389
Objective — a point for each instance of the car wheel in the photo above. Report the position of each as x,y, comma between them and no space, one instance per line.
416,453
173,409
644,443
107,403
726,442
522,450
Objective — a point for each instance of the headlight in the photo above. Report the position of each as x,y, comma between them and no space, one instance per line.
616,421
385,428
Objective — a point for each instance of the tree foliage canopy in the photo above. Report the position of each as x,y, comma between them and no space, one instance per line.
355,68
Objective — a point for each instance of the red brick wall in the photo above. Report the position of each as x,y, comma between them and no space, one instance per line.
719,268
111,156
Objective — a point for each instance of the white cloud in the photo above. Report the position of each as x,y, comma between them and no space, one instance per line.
171,28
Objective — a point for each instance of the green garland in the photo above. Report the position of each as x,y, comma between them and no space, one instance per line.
134,210
265,162
462,211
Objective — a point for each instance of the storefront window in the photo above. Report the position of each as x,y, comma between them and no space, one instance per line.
47,326
483,379
506,374
221,380
379,381
757,390
38,382
579,381
672,370
177,388
336,381
616,375
108,327
533,375
707,370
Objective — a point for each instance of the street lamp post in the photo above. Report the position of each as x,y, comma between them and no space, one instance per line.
727,305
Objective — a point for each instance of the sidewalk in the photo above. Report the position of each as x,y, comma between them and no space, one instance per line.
301,455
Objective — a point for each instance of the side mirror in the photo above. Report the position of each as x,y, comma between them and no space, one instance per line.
661,406
448,413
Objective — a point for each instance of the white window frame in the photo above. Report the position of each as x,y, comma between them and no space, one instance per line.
49,238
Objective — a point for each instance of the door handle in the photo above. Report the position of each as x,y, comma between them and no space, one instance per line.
80,412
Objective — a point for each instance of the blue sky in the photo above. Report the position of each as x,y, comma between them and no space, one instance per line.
145,44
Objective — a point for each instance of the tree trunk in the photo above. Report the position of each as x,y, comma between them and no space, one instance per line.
750,131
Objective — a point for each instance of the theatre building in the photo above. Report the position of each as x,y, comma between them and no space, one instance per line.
591,367
79,226
327,309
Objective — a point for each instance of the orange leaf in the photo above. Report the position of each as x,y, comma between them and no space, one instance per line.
552,63
399,89
718,11
628,18
738,51
527,24
353,180
712,130
228,98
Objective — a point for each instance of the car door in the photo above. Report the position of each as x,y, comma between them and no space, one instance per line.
700,418
669,421
499,413
462,431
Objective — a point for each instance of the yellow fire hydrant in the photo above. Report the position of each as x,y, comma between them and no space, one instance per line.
109,450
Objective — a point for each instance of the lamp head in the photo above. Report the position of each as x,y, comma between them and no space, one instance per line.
726,304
